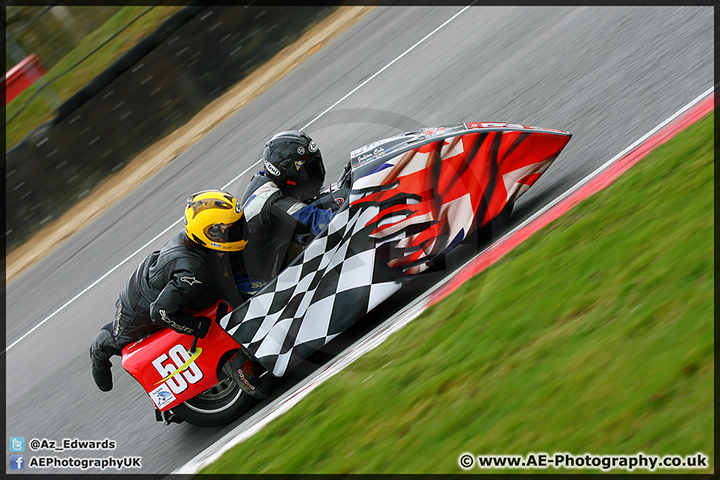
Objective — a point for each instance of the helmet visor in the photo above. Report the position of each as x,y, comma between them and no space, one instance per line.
225,233
305,170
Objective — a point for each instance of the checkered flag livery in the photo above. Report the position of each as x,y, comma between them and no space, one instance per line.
414,198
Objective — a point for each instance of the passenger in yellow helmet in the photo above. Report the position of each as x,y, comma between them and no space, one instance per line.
192,271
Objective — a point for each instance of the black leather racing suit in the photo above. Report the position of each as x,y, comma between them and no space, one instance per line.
280,226
181,277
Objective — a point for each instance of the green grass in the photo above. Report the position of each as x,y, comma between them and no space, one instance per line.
38,111
594,336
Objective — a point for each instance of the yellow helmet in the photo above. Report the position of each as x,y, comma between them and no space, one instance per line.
214,219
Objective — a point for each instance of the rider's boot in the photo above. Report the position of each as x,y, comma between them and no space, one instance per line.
100,352
242,371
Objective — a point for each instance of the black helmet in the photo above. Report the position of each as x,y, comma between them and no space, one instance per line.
294,163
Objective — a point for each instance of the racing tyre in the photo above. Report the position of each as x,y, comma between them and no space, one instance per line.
219,405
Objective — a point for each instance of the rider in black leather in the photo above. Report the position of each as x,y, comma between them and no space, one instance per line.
280,219
191,272
281,224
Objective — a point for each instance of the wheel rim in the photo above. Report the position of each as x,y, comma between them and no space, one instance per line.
217,398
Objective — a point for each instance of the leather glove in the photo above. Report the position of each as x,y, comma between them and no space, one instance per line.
202,325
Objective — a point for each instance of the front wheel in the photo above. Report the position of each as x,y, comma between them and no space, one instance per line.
218,405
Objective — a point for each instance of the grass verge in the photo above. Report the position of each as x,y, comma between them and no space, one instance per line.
594,336
38,111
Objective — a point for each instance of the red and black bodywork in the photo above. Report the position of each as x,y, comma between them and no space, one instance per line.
170,372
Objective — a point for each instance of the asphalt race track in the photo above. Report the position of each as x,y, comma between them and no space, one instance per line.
606,74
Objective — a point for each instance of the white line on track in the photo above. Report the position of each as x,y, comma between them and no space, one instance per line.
89,287
382,332
117,266
228,184
388,65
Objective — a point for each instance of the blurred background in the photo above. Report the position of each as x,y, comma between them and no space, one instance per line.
50,32
88,88
51,52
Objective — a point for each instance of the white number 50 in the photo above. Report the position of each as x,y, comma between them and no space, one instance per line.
179,363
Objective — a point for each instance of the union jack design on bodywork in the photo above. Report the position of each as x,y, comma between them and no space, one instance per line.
414,197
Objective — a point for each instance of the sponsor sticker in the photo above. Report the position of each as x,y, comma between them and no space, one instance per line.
162,396
530,127
368,147
511,125
493,125
434,131
378,152
271,168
